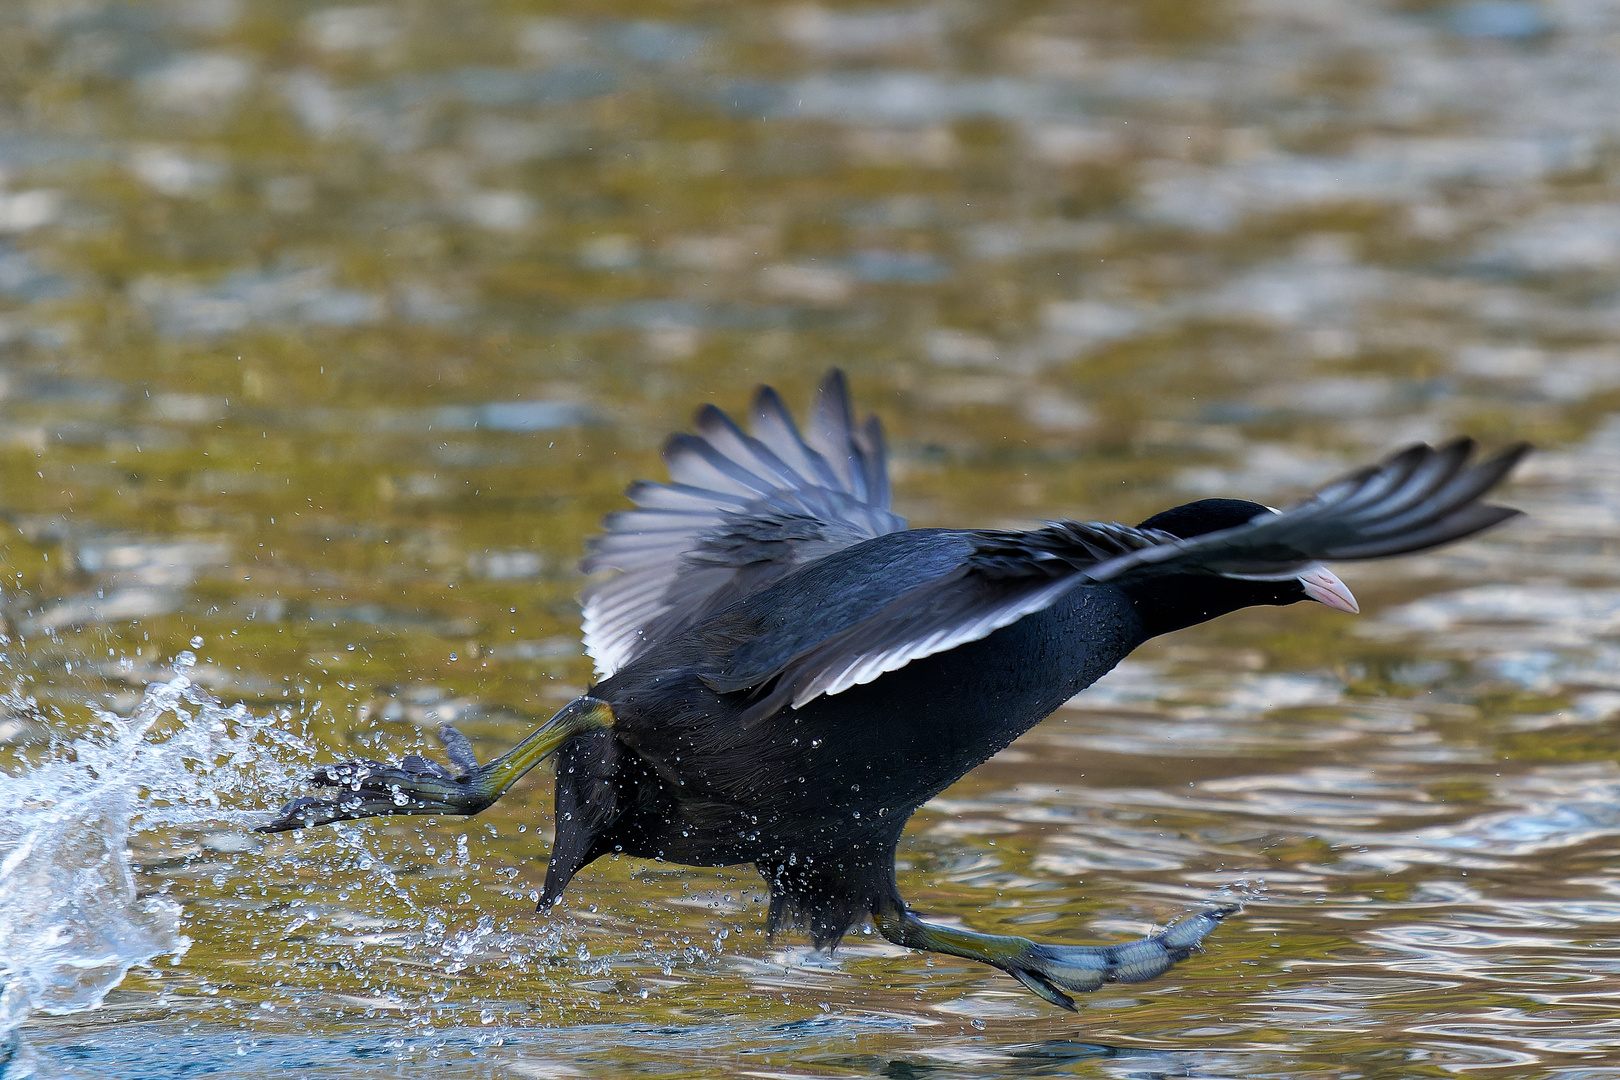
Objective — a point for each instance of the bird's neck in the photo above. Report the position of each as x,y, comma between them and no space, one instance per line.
1176,601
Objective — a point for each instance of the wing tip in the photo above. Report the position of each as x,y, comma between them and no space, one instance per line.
1509,456
1449,510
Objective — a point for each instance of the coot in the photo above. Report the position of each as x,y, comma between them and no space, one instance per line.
787,672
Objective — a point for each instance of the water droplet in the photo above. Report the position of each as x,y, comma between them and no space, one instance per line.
197,641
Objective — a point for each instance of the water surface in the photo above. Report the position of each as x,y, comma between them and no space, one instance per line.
328,333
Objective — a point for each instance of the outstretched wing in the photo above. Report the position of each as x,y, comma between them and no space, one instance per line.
742,510
1415,500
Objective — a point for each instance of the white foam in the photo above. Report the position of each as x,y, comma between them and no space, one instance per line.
72,919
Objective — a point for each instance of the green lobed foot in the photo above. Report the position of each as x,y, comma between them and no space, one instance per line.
1050,970
420,786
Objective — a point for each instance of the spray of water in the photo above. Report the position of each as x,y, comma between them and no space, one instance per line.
77,912
72,920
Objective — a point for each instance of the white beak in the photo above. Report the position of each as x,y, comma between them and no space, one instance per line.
1324,586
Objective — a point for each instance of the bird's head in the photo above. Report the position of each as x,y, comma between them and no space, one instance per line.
1171,603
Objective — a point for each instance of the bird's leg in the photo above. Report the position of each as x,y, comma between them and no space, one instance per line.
420,786
1049,970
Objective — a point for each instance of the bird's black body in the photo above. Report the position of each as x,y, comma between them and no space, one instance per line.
842,772
789,672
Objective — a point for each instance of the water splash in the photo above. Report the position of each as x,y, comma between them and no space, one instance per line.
72,919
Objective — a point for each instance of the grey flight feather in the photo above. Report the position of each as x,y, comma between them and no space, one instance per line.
1417,499
743,510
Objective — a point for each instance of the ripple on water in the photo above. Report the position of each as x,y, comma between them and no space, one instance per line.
406,296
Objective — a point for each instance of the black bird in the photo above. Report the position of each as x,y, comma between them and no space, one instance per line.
787,672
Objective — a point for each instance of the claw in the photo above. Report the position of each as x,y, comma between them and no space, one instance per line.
1042,986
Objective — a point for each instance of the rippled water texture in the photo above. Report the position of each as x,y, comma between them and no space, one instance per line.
327,334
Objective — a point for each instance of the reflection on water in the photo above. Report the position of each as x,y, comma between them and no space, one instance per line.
327,332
